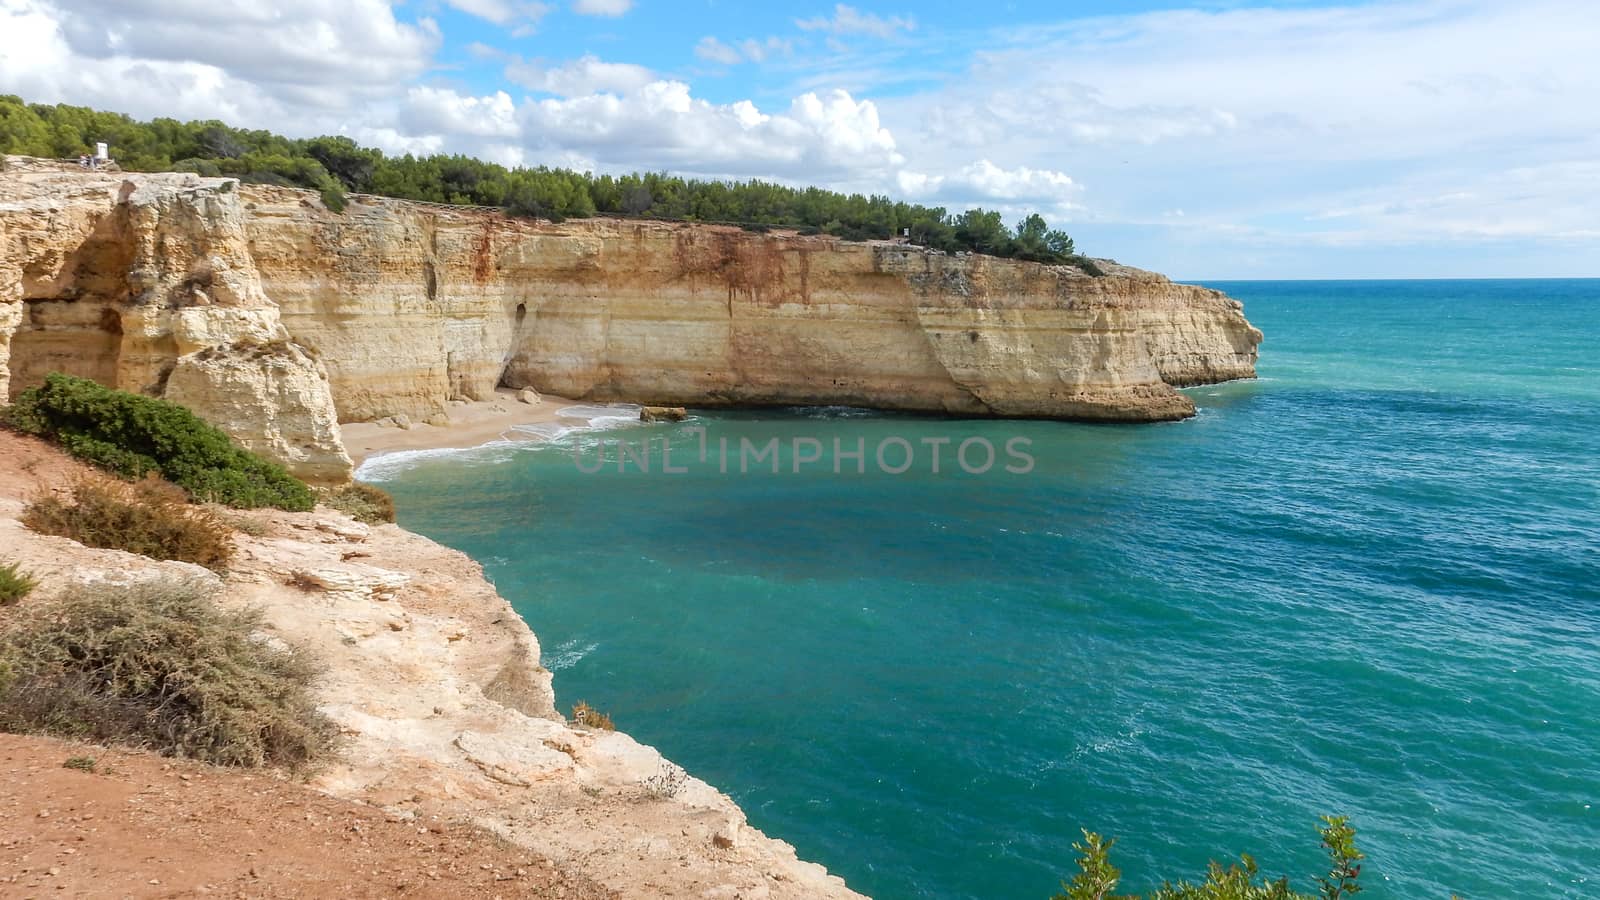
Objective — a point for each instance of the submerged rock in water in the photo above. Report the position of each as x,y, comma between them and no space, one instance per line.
663,414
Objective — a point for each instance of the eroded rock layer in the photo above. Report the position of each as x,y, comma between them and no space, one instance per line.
412,304
401,307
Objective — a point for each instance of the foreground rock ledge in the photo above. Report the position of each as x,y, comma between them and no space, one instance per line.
443,706
277,319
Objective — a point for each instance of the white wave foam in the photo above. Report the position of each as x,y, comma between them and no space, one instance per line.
568,654
584,419
544,431
386,466
592,411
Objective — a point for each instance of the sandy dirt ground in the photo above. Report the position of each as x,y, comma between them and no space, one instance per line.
140,825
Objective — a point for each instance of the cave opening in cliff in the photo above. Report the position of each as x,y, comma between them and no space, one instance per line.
76,337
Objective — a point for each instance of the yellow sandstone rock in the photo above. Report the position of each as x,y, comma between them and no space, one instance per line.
170,283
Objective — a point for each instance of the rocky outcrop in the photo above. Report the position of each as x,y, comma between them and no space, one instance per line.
272,398
443,709
129,279
147,283
663,414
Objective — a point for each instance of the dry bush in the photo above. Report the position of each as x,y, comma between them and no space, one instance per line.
361,502
158,664
242,523
668,781
151,518
589,717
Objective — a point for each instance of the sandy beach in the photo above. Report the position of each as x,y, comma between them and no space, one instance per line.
472,424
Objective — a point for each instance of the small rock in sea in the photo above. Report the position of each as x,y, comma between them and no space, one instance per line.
663,414
530,396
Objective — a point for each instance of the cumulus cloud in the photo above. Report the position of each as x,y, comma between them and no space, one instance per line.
611,8
849,20
662,124
207,60
441,111
983,182
300,43
586,75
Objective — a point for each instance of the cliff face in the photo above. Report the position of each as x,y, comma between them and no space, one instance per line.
146,283
411,305
443,709
396,307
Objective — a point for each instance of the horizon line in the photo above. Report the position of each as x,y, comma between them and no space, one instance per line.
1404,278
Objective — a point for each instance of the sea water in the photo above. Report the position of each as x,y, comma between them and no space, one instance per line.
1367,583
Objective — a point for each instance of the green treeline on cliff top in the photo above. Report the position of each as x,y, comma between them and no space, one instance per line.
334,165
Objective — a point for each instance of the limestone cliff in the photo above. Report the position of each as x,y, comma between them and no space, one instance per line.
413,304
443,709
172,283
146,283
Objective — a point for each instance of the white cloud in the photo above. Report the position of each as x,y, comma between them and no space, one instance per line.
753,50
759,51
587,75
1399,122
442,111
504,12
298,60
1440,120
712,50
303,43
849,20
392,141
611,8
984,182
662,125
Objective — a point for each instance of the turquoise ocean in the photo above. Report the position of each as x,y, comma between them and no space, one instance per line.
1367,583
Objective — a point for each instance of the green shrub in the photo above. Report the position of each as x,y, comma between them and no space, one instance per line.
333,198
151,518
133,436
1097,877
14,584
158,664
361,502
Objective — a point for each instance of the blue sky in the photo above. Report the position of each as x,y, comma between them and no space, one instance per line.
1205,140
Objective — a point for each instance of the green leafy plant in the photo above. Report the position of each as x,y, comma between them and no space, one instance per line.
1097,878
80,763
133,436
159,664
151,518
14,584
333,198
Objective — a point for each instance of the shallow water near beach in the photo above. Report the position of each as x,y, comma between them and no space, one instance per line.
1367,583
